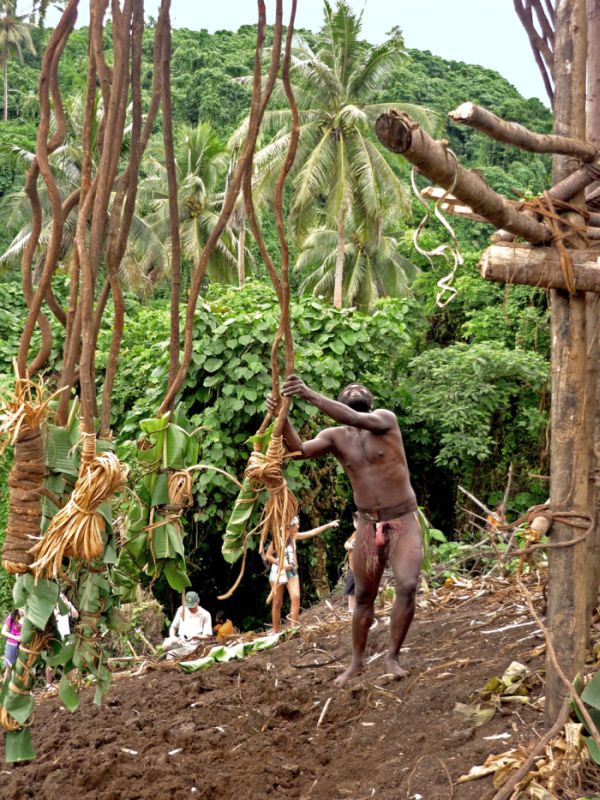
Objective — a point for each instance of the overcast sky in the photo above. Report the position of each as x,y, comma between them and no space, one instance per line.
485,32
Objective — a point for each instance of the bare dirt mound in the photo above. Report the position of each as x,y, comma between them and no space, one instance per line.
275,726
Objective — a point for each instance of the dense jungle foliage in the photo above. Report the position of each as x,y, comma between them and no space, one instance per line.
469,382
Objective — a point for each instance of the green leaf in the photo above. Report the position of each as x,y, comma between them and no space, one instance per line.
177,441
153,424
213,364
176,575
18,746
591,693
160,490
41,602
68,694
60,456
19,706
593,748
160,542
22,590
137,546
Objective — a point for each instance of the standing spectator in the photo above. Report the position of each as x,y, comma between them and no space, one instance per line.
12,631
64,612
288,574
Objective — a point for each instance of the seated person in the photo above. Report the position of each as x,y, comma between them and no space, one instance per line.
190,626
223,626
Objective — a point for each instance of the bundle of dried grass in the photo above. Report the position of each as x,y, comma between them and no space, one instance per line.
21,415
76,530
266,470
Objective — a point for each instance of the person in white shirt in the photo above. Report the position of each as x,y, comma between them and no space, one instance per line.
63,626
190,626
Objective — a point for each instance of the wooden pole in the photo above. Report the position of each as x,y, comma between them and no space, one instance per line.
566,616
593,318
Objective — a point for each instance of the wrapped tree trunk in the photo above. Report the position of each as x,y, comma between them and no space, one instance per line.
26,481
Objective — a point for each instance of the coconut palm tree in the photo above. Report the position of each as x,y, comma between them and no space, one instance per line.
201,164
15,37
341,172
372,268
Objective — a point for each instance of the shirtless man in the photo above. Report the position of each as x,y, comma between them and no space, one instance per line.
368,445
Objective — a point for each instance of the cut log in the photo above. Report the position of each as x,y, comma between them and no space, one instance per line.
400,134
512,133
539,266
450,204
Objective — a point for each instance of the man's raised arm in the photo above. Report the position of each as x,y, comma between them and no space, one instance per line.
376,421
319,446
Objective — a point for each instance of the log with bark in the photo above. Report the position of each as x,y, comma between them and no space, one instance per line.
539,266
400,134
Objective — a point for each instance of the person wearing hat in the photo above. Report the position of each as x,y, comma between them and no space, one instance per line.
190,626
286,574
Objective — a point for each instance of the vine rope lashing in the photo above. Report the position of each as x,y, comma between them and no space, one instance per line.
451,252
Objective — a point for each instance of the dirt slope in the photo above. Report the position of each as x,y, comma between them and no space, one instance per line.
251,729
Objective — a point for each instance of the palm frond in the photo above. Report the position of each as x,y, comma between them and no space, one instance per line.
369,75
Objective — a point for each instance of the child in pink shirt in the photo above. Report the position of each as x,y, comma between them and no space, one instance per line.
12,632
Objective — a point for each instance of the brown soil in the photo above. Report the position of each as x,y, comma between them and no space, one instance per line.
251,729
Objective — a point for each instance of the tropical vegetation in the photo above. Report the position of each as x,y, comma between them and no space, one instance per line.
469,382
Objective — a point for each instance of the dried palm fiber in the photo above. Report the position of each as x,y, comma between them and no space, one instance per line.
21,415
22,676
76,530
267,469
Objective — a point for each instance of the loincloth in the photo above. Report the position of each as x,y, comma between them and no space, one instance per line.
377,529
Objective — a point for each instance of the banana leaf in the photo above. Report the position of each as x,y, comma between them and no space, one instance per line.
174,571
38,599
237,527
176,447
68,694
18,746
60,454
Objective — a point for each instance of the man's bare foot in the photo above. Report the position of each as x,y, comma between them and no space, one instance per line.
392,667
353,669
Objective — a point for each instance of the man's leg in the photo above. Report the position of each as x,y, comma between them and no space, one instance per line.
368,565
406,556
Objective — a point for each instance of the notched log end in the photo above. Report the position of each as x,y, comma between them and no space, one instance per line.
394,130
462,113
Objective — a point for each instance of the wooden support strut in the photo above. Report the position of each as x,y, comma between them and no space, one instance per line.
539,266
400,134
512,133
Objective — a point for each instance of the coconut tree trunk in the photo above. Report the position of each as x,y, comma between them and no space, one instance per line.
242,250
338,284
567,597
5,78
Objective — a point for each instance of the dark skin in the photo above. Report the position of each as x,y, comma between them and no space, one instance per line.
368,445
